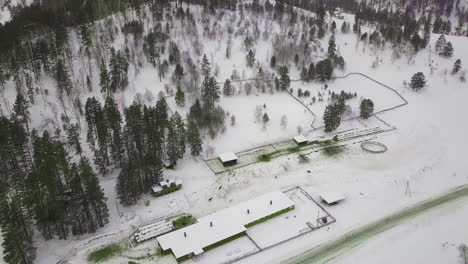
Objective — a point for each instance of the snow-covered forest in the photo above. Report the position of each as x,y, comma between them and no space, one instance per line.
102,100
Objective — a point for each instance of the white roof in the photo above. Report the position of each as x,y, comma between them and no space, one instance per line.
228,156
332,197
226,223
300,139
156,189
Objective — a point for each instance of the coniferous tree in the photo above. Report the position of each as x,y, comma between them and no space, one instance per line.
273,62
64,83
21,111
332,117
179,73
94,194
172,147
305,74
284,80
227,88
250,59
180,97
104,81
73,138
311,71
418,81
367,108
113,124
456,66
321,32
127,186
16,230
324,70
447,51
440,44
205,66
332,47
194,140
210,92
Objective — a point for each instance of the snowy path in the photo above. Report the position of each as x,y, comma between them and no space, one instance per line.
328,251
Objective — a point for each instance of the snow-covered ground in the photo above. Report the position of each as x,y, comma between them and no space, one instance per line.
427,154
430,238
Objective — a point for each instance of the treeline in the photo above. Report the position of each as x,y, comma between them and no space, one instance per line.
42,189
54,15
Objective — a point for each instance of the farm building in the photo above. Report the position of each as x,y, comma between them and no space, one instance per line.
300,140
219,227
332,198
163,185
228,159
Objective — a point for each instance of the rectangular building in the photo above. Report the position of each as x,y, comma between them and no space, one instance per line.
225,224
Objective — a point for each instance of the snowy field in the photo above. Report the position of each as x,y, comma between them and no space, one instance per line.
426,154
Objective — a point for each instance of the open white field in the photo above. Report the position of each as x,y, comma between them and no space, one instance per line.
248,133
365,88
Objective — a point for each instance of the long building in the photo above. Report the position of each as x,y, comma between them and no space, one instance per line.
225,224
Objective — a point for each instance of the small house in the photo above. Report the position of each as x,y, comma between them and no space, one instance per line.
332,198
300,140
228,159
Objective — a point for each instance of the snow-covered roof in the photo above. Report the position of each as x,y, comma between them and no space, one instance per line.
156,189
153,230
228,156
300,139
223,224
332,197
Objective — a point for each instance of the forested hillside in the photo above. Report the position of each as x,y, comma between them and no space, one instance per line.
76,104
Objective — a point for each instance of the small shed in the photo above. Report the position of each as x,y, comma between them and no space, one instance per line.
300,140
331,198
228,159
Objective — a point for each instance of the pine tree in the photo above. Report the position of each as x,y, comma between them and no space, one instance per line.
194,140
447,50
321,32
265,118
331,47
418,81
127,187
333,26
456,66
113,125
16,230
311,72
305,74
227,88
64,83
367,108
250,59
273,62
104,78
180,97
284,80
210,92
94,194
332,117
73,138
324,70
179,73
172,146
440,44
21,111
205,66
